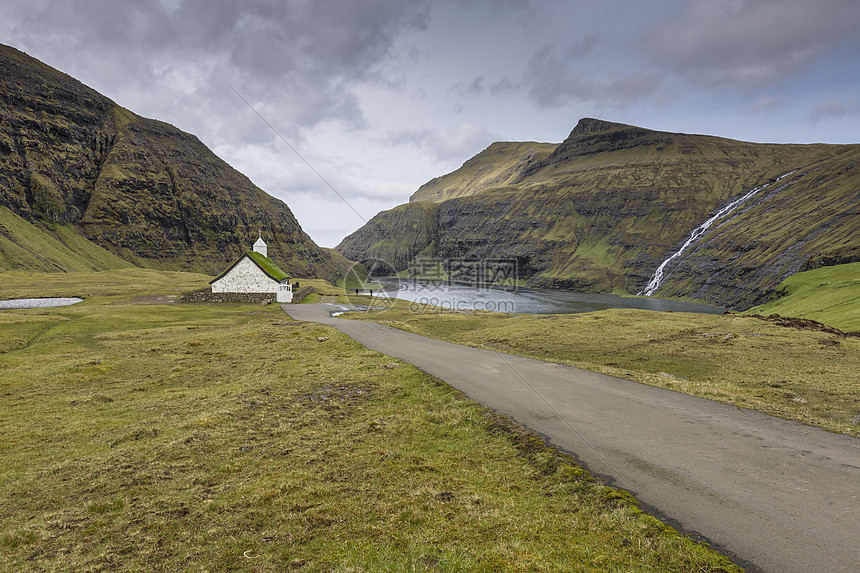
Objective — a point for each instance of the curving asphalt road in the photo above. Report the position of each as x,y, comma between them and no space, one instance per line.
777,496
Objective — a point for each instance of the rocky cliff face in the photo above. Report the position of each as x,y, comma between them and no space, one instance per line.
604,208
142,189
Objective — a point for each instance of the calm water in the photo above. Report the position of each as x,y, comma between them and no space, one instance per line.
528,301
37,302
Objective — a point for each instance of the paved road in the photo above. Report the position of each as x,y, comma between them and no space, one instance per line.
777,496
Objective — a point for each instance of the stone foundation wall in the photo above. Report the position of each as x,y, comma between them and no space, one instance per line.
302,293
206,295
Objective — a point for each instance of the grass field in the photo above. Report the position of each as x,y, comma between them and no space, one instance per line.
142,435
830,295
811,376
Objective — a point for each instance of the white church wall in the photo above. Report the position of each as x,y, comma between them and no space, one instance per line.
245,277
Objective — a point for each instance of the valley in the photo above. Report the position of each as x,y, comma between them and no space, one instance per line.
141,433
603,210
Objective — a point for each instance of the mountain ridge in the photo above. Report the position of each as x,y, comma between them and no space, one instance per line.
139,188
477,176
605,207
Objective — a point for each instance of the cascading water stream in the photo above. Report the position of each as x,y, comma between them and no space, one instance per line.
658,277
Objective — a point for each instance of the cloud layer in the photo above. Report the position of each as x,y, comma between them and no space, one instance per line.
382,95
754,43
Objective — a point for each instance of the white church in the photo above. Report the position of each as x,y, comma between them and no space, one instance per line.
255,273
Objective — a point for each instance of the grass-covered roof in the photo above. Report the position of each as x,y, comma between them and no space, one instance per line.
272,270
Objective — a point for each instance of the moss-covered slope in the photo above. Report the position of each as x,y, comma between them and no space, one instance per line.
393,238
609,204
50,247
139,188
502,163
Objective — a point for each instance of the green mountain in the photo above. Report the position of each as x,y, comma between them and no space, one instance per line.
501,164
88,185
602,211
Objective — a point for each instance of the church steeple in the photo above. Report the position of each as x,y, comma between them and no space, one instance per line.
260,247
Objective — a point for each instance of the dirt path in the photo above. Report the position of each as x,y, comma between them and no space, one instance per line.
776,495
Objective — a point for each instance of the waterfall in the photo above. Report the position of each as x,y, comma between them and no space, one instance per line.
658,277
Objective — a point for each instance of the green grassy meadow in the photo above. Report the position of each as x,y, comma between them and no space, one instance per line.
140,434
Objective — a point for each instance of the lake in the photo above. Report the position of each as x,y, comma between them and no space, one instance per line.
463,298
18,303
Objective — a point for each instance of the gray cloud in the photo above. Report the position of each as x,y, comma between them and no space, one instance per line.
553,81
766,104
750,43
450,145
503,86
471,89
301,59
835,109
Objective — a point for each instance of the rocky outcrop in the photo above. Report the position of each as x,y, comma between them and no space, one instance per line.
604,208
142,189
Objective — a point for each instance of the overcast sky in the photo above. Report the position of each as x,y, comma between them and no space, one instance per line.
380,96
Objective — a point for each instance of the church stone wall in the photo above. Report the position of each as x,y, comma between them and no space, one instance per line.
206,295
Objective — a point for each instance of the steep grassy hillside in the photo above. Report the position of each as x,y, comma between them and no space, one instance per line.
830,295
141,189
609,204
401,234
501,164
50,247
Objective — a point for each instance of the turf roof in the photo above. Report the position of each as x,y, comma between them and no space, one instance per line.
266,265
